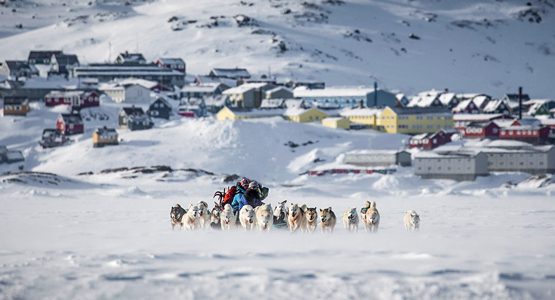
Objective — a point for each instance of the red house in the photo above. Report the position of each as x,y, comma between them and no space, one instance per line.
429,141
69,124
482,130
526,133
76,99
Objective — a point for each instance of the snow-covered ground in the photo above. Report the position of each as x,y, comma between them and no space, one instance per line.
107,234
466,46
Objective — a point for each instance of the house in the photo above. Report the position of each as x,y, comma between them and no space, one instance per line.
336,122
237,74
279,92
402,100
426,99
104,137
497,107
14,106
43,57
236,113
16,69
129,92
203,90
36,88
248,95
69,124
160,108
467,106
516,156
514,98
177,64
533,134
482,130
111,72
76,99
538,107
462,120
61,63
459,165
340,97
414,120
10,156
377,158
273,104
429,141
304,115
52,138
130,58
134,118
449,100
361,115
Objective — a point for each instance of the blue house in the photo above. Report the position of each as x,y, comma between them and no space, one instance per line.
160,108
134,118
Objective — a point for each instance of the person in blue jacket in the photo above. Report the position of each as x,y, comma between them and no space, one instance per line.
246,194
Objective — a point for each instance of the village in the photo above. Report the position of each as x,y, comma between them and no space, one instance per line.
450,135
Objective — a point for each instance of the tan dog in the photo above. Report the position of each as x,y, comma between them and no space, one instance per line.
191,219
228,218
311,216
204,214
350,219
295,217
264,217
372,218
411,220
247,218
327,219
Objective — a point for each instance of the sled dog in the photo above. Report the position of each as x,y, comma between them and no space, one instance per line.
264,217
295,217
228,218
204,214
327,219
411,220
311,216
350,219
372,218
191,219
176,215
247,218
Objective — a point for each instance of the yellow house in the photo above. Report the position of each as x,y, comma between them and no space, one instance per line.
414,120
336,123
303,115
362,116
104,136
227,113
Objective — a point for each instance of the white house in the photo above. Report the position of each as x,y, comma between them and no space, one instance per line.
127,93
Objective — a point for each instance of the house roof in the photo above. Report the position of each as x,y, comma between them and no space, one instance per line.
514,97
104,131
15,100
297,111
493,105
201,88
256,112
272,103
17,64
424,99
133,110
171,61
43,54
447,98
481,124
160,99
132,57
476,117
420,110
334,92
72,118
66,59
244,88
235,73
360,112
278,88
64,93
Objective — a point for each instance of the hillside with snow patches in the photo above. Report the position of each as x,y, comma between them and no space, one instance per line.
466,46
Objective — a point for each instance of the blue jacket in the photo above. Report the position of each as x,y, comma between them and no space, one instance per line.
239,199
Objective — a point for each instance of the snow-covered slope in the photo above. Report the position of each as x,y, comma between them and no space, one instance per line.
490,47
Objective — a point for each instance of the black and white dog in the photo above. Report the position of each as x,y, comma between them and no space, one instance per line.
176,215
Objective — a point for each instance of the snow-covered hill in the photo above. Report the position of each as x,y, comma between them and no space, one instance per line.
491,47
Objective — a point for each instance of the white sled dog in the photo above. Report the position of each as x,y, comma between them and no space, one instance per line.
350,219
311,218
295,217
372,218
228,218
327,219
247,218
411,220
204,214
191,219
264,217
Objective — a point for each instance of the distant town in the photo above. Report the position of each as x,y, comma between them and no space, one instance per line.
452,135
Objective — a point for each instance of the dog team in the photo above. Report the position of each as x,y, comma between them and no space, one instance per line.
292,217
